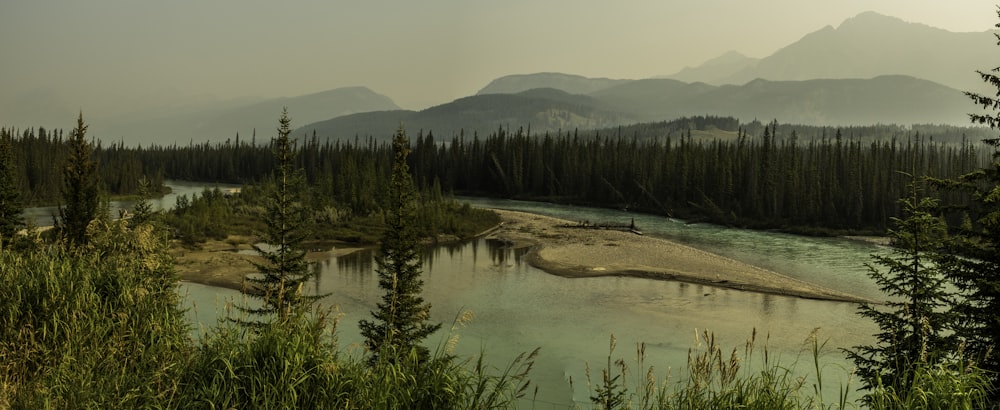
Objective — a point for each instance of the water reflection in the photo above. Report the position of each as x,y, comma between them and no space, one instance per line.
359,263
47,215
518,308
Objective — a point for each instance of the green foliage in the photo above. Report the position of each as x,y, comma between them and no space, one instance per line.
100,327
401,320
817,180
95,328
974,266
281,276
80,189
714,380
11,220
38,159
288,364
143,209
915,324
212,215
953,385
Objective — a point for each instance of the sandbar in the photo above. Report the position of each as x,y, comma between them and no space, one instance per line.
565,251
554,248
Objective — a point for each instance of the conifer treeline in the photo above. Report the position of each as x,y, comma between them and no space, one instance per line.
766,181
767,176
715,126
40,153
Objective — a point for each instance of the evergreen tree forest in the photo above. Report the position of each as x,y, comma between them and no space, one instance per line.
775,179
819,180
38,155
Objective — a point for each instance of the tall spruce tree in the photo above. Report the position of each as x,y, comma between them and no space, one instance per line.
914,326
143,209
977,273
79,188
402,319
279,283
11,208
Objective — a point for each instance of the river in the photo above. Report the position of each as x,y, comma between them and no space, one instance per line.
45,215
518,307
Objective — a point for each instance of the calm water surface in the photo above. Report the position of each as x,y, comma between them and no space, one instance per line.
44,215
518,308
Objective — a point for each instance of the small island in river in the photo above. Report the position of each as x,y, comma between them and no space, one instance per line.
556,249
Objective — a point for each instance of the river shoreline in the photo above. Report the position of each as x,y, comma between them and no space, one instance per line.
225,263
579,253
555,248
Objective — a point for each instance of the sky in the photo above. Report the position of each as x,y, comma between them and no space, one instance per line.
110,57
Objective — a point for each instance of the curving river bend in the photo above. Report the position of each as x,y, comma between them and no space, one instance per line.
518,308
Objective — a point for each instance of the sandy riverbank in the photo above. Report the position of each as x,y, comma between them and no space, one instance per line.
225,263
573,252
568,252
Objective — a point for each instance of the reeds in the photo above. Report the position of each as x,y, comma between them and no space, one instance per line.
947,385
101,328
90,328
714,379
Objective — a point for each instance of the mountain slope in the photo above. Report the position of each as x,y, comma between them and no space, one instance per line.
884,99
573,84
870,45
540,109
225,121
717,70
652,99
880,100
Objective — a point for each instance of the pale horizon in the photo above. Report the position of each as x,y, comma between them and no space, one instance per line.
108,58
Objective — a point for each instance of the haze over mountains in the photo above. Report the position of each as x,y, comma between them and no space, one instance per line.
865,46
869,69
225,121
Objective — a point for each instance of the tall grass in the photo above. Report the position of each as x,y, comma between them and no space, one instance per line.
92,328
714,379
949,385
296,364
100,327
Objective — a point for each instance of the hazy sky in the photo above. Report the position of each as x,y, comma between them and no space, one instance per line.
105,57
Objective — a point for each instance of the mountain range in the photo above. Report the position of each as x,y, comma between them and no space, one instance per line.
891,99
864,46
225,121
870,69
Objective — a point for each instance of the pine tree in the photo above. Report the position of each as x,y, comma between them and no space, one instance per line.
143,209
914,326
402,319
79,189
282,275
11,208
977,272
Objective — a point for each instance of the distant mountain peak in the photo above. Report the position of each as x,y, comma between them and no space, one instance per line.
868,17
570,83
729,57
716,70
870,20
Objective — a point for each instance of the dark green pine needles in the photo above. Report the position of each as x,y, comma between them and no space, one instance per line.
280,278
401,320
